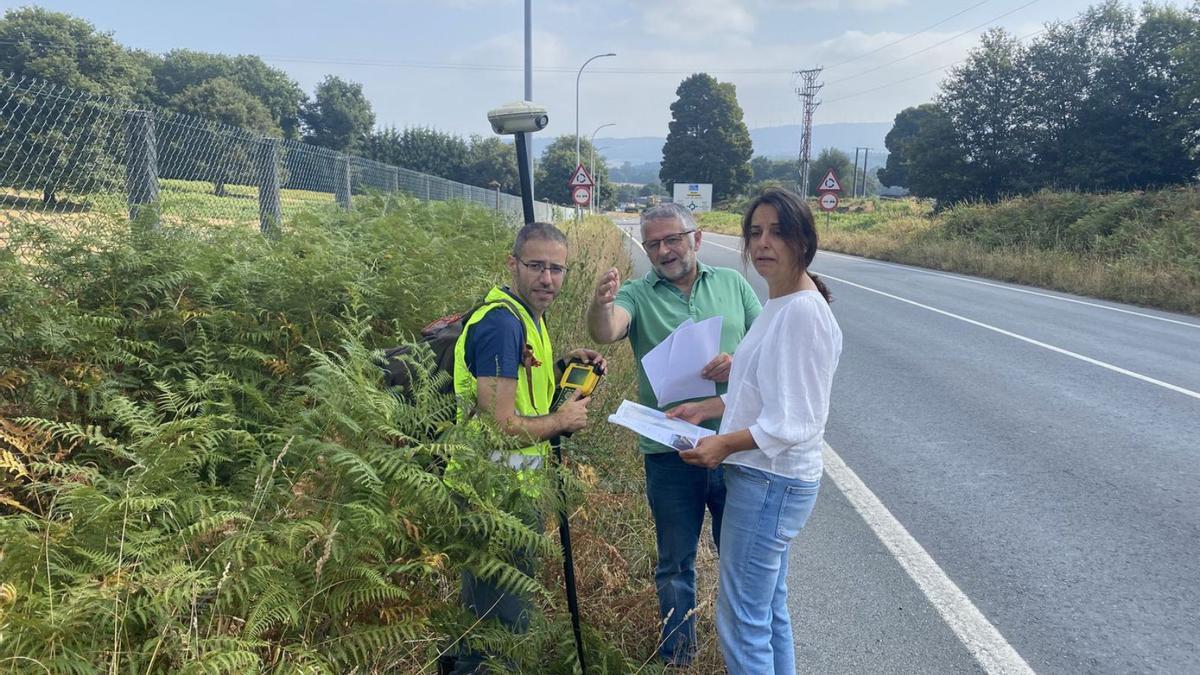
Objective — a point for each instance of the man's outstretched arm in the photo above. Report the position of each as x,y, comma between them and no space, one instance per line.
606,321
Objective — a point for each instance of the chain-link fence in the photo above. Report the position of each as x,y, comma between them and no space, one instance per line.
68,155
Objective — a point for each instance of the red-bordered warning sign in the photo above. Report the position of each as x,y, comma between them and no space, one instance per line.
830,183
581,178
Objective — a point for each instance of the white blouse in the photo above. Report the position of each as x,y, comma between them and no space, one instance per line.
779,385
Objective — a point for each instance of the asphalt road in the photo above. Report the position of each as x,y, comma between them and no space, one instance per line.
1029,464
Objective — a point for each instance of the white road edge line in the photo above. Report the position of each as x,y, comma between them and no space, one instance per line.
955,277
1037,343
911,268
983,640
980,637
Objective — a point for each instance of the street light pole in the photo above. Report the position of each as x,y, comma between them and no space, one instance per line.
577,76
529,84
592,164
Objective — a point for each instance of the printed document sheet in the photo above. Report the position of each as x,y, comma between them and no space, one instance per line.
673,366
657,426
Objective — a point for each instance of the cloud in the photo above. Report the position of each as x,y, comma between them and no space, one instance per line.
833,5
697,20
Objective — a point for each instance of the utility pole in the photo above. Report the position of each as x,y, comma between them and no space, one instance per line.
808,98
529,91
866,155
864,172
854,183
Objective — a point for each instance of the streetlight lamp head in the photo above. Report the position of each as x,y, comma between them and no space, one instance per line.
518,117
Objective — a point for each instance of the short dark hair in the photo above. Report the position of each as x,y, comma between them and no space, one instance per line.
545,231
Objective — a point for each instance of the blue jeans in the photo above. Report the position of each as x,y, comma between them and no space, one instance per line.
678,494
763,512
486,600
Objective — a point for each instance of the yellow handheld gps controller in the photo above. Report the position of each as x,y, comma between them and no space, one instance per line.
577,377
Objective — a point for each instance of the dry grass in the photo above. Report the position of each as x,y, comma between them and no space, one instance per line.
919,241
1142,251
612,532
181,201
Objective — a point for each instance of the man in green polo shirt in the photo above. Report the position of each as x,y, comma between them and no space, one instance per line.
647,310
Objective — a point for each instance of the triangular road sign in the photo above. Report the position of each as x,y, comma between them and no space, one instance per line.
581,178
830,183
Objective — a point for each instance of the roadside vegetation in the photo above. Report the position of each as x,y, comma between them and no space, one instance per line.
199,470
1136,247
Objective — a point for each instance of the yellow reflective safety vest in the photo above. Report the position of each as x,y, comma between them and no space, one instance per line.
535,382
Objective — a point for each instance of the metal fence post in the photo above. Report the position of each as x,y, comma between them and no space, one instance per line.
341,178
141,165
393,180
270,215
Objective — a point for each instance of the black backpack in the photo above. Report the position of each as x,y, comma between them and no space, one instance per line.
399,369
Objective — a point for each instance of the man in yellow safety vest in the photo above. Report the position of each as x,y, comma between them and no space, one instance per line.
504,370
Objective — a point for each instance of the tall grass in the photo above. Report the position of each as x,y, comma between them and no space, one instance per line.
1137,247
200,472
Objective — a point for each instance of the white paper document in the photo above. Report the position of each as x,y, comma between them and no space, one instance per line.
657,426
673,366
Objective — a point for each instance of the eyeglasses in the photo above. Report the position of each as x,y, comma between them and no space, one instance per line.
537,267
672,241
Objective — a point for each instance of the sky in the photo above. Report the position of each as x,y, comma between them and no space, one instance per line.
445,63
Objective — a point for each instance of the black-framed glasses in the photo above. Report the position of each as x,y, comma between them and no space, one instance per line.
537,267
672,241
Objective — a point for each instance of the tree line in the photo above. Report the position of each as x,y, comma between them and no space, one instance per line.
708,140
1109,101
238,91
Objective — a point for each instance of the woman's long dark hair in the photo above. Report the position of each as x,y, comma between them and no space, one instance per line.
796,227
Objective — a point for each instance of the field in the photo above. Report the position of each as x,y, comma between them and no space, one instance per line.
200,472
181,201
1136,247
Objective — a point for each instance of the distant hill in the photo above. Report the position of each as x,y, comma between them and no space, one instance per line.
774,142
784,142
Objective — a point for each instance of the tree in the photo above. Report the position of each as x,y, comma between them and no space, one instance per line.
626,193
421,149
555,167
66,143
708,142
1106,102
986,103
180,69
924,155
229,154
831,158
1107,98
339,116
1187,100
651,189
764,168
491,159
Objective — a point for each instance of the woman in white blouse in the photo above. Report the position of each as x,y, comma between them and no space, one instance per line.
771,434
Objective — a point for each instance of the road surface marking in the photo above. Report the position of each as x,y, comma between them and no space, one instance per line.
980,637
1011,288
1037,343
956,277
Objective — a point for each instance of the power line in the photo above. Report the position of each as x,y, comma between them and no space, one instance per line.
918,75
481,67
910,35
937,44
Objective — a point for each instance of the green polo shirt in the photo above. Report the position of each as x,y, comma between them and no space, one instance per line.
656,308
